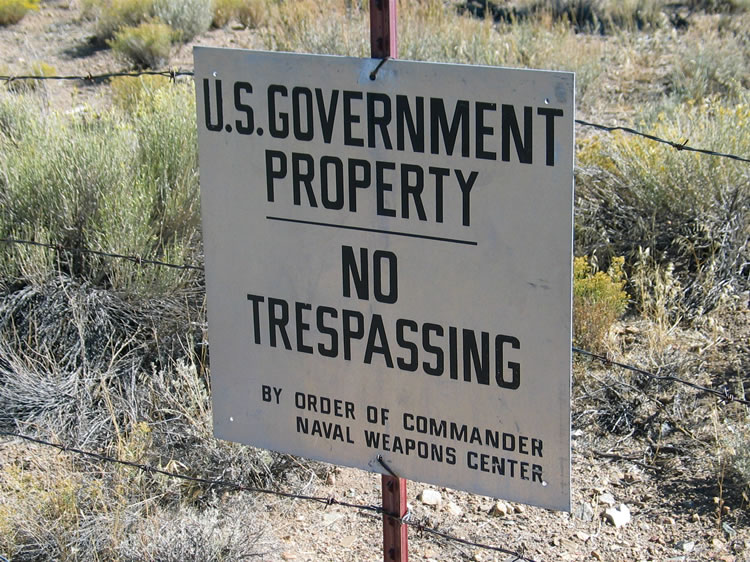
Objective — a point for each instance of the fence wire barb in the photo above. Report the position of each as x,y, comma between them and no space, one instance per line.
676,145
326,501
173,74
138,260
723,396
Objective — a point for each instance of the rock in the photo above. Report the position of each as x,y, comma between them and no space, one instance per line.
685,546
583,536
331,517
501,509
331,479
454,509
288,556
596,555
348,541
518,508
607,499
584,512
695,518
618,516
430,497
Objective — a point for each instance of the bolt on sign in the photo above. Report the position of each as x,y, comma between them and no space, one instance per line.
388,265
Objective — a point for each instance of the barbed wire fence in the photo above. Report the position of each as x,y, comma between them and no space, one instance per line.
723,395
175,73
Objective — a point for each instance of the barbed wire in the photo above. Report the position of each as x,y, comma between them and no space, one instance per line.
173,74
675,145
323,500
724,396
138,260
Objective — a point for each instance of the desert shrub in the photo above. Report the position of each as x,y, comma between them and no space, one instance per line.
224,12
187,18
311,27
658,294
104,182
13,11
598,301
605,15
721,6
146,46
253,13
717,64
688,209
112,15
601,16
129,92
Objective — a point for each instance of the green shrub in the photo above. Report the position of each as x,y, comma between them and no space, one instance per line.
13,11
187,18
598,301
129,92
689,209
715,65
123,184
146,46
112,15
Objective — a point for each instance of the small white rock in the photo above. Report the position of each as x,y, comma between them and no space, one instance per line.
618,516
500,509
584,512
607,499
454,509
430,497
686,546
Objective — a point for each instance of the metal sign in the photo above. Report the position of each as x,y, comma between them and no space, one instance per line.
388,265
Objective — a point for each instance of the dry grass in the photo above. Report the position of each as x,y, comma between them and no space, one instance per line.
111,356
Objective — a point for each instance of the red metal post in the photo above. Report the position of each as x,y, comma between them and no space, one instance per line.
383,36
395,540
384,43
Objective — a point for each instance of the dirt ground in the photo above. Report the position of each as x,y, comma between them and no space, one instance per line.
679,508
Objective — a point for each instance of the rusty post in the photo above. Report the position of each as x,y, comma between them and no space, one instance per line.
383,36
395,539
384,44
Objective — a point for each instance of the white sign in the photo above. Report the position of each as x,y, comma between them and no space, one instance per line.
388,265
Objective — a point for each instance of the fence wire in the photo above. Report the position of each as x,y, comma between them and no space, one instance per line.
228,484
138,260
724,395
173,74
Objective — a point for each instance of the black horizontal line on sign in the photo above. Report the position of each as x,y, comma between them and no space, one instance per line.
364,229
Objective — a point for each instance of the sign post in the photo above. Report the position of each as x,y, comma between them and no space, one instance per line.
384,44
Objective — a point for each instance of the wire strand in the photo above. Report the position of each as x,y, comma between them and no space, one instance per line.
724,396
175,73
327,501
675,145
135,259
